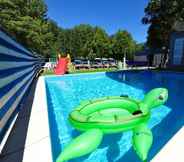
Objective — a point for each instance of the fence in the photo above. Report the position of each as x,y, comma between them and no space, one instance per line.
18,68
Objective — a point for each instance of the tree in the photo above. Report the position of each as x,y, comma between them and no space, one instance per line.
122,43
56,38
67,42
98,46
85,41
73,40
82,34
162,15
36,9
27,22
139,47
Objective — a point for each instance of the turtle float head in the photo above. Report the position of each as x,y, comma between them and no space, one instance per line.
154,98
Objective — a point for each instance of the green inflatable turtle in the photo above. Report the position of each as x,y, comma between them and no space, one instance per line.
113,115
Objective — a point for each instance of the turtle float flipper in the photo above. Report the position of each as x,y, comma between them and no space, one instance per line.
82,145
142,141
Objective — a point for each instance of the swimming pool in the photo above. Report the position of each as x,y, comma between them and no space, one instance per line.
64,93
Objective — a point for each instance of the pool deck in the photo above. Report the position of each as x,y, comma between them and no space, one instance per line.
37,146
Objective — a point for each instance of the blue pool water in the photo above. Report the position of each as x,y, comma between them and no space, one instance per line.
66,92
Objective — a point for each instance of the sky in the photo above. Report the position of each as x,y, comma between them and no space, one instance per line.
111,15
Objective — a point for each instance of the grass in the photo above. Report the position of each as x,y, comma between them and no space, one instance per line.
48,72
93,70
51,72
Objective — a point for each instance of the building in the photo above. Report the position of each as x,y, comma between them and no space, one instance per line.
145,56
177,49
141,57
176,56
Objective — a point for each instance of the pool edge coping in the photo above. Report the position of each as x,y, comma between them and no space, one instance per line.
38,142
172,150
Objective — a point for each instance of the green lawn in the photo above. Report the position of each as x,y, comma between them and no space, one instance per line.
94,70
50,72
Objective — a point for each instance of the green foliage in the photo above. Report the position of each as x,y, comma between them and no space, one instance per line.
27,21
98,45
94,70
123,43
81,35
139,47
84,41
91,42
73,40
